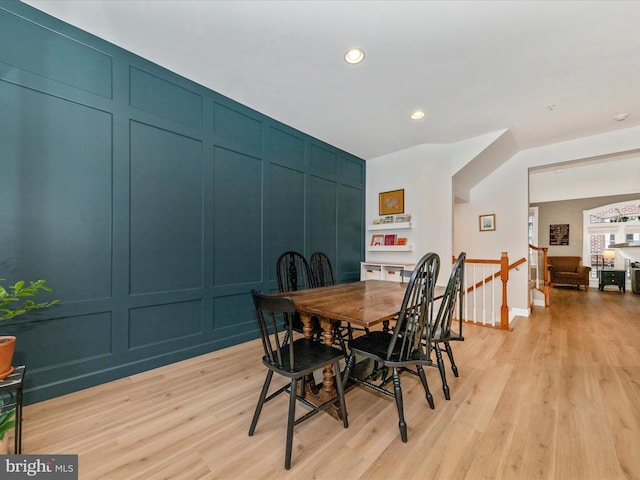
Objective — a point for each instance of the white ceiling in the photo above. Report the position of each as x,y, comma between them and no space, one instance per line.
474,66
599,177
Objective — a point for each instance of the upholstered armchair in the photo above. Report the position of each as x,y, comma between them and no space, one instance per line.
568,271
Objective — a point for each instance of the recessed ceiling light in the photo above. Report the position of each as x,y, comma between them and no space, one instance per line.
354,55
620,117
417,115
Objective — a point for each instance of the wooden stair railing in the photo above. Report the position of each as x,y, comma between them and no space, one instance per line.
534,283
503,273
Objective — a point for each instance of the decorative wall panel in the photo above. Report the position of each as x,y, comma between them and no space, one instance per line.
162,323
163,98
233,315
351,172
350,233
55,204
47,345
166,210
237,129
30,47
150,204
286,149
286,213
324,161
237,224
322,223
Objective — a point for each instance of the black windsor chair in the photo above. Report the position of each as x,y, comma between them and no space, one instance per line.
322,274
403,347
294,360
321,270
294,273
452,303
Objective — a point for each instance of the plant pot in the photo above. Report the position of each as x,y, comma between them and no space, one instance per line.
7,346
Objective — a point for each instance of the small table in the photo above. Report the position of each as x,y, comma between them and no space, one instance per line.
13,385
612,277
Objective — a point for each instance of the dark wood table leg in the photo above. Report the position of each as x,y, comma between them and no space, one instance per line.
314,393
310,387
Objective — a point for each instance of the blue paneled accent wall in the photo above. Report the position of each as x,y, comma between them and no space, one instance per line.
151,204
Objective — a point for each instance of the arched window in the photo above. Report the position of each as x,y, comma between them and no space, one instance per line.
608,225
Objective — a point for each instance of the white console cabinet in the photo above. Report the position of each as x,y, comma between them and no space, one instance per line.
384,271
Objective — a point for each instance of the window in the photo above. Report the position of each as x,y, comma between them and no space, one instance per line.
597,244
607,225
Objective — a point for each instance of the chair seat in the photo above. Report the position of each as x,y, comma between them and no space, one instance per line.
569,275
308,355
453,336
376,344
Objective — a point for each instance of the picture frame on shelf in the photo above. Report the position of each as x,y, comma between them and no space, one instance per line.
390,239
388,219
401,241
391,202
403,218
487,222
377,240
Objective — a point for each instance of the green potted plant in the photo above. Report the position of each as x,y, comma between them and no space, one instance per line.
7,423
17,300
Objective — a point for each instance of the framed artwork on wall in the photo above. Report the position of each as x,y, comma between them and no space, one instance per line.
559,234
391,202
487,222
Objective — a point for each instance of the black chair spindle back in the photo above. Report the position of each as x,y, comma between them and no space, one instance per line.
321,270
452,304
270,312
293,272
416,314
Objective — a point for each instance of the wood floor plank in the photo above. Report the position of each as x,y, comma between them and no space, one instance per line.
558,397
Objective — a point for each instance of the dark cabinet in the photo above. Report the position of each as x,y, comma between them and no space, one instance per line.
635,280
611,277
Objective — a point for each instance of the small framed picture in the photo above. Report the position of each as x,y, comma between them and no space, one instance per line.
487,222
377,240
388,219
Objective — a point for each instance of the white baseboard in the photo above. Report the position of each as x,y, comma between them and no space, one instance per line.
519,312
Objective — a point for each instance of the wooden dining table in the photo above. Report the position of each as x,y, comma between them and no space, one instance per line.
365,304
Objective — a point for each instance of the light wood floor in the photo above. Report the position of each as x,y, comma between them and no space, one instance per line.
556,398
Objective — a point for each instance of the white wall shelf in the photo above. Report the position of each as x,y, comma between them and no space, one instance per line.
390,248
390,226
